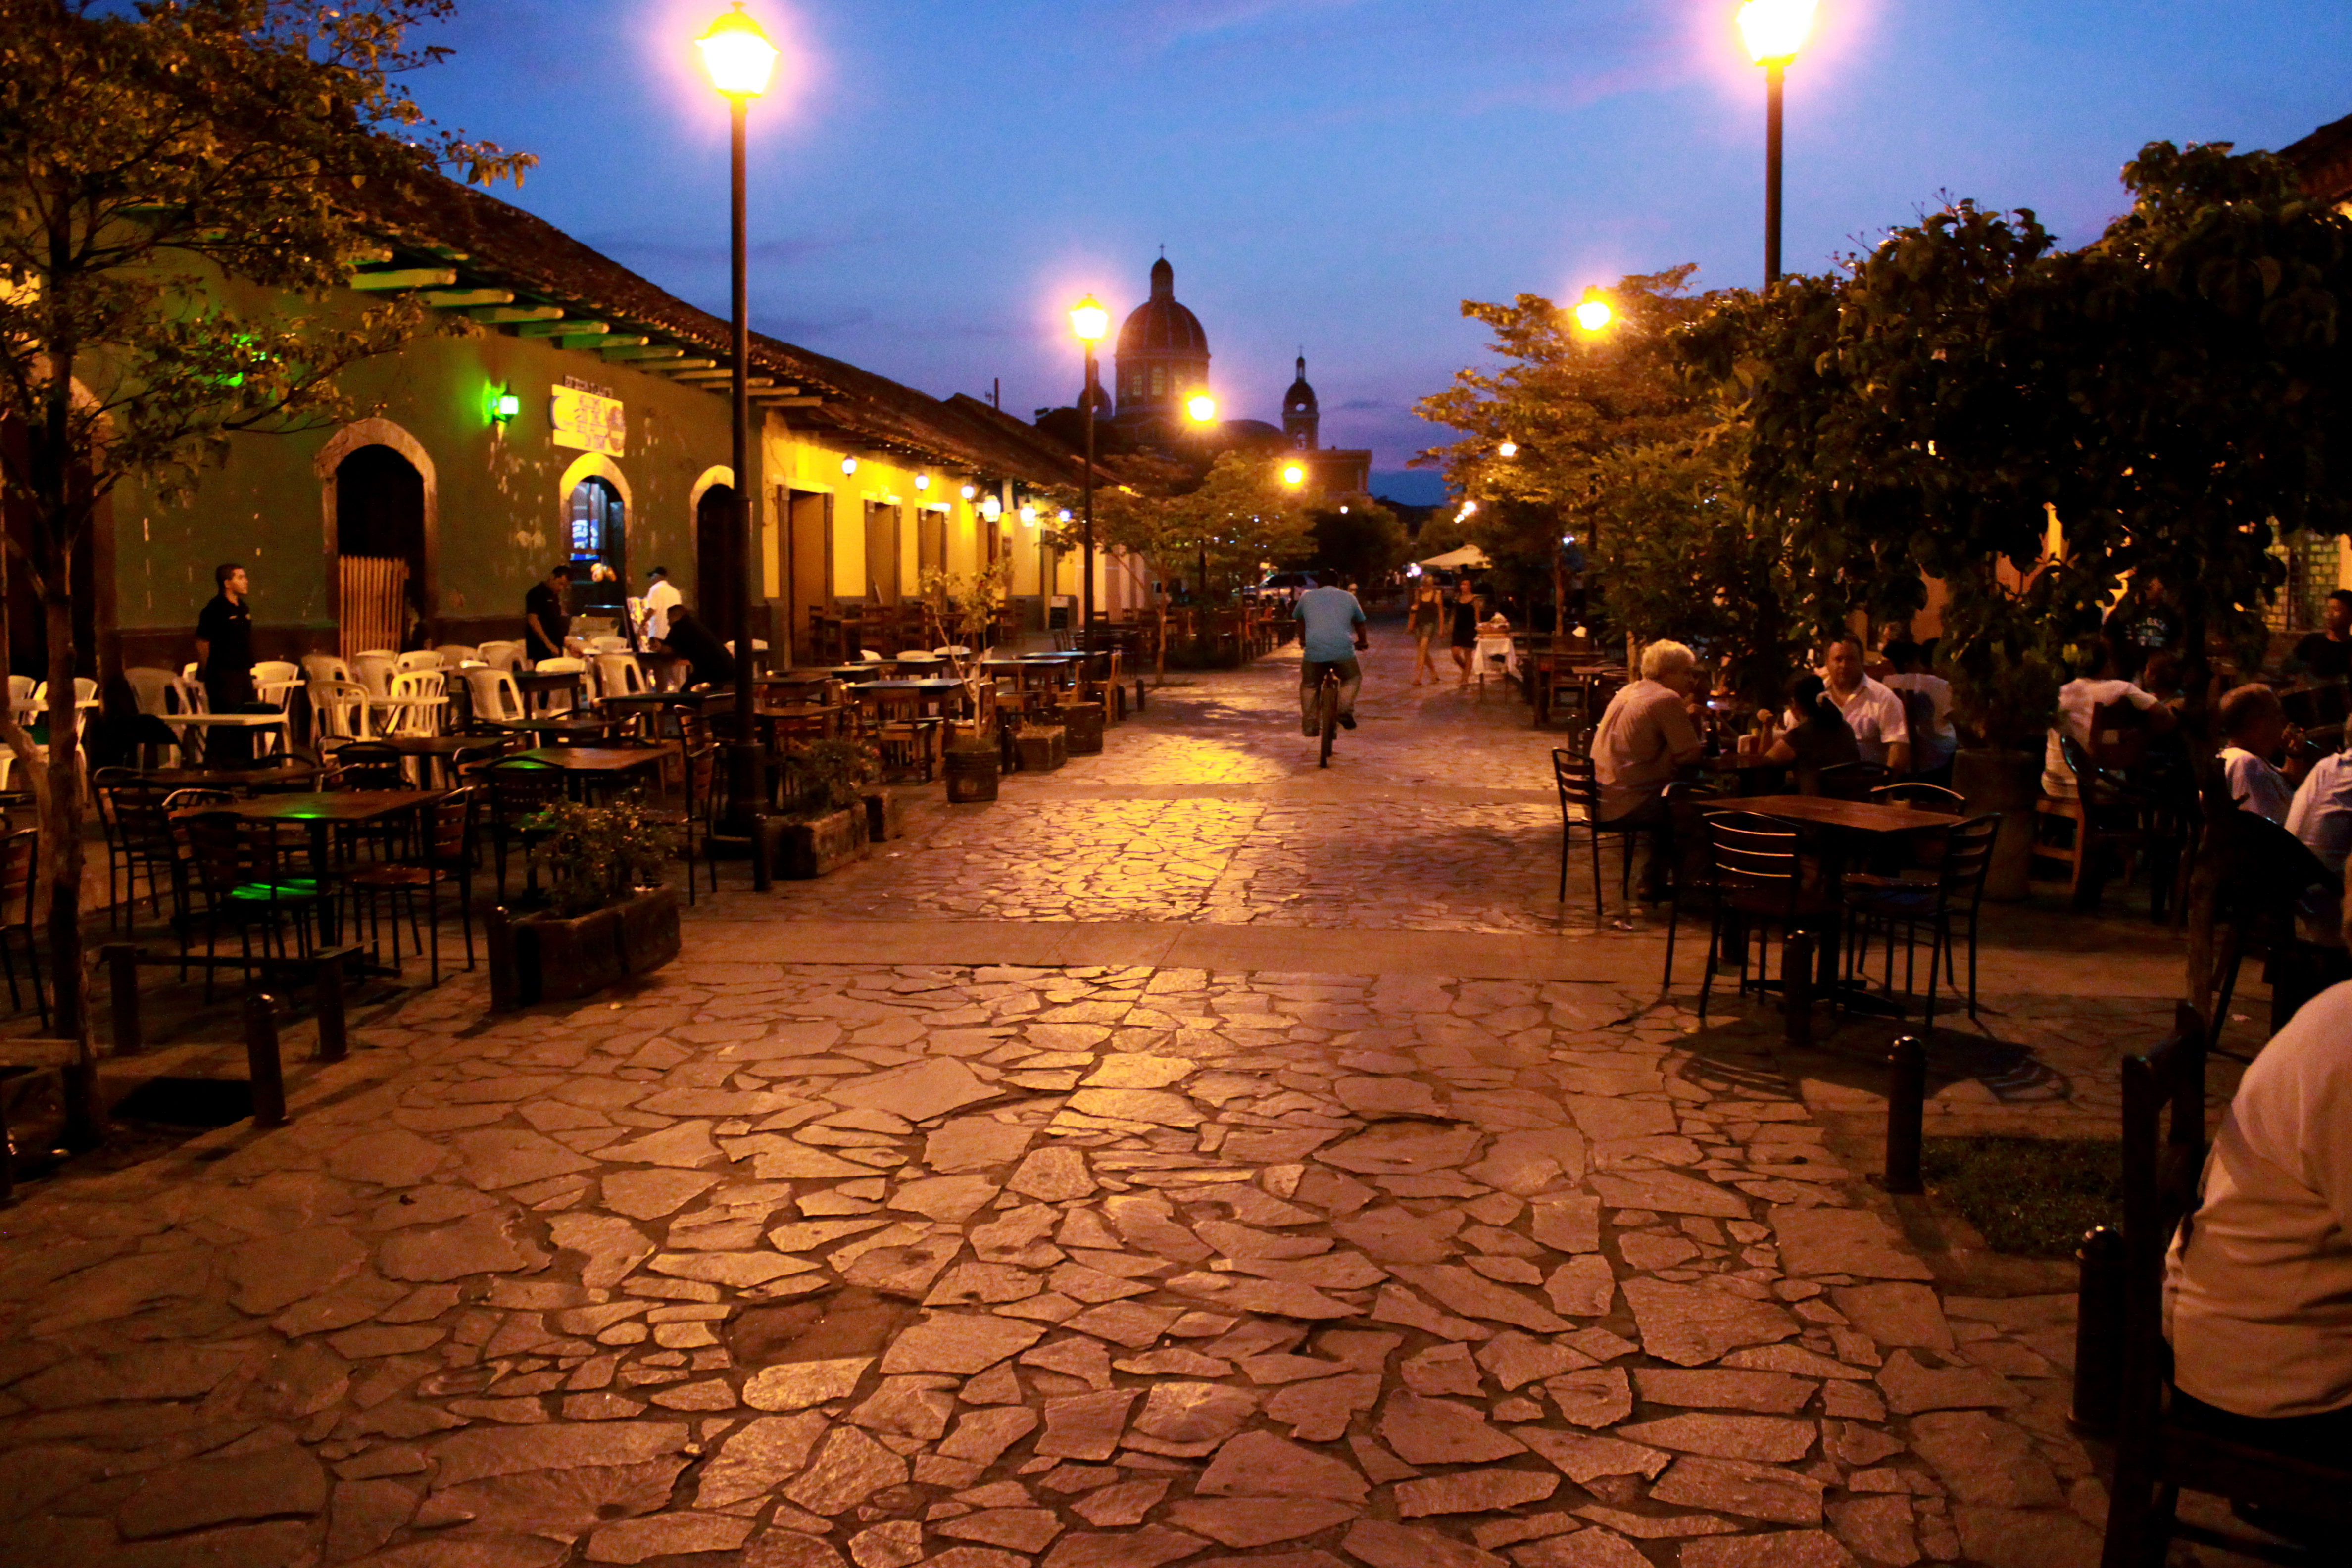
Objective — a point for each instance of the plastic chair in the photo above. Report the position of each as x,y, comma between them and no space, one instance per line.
419,658
504,655
620,674
496,698
375,671
559,699
608,644
317,667
341,710
456,655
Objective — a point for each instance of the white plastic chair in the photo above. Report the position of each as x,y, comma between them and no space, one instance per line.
375,671
558,699
620,674
420,659
457,656
608,644
496,698
416,703
341,710
502,654
316,666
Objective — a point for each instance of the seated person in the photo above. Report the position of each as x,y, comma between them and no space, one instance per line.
2321,813
2258,1294
1644,735
2326,654
1908,672
2093,686
2253,731
1818,735
690,640
1873,715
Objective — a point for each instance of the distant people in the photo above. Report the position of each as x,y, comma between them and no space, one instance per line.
545,624
2144,621
661,598
1872,711
225,664
1462,615
2321,813
2326,654
692,641
1645,736
1427,612
1935,744
1817,735
2253,731
2096,687
2258,1292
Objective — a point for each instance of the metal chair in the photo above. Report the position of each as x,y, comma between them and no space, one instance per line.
1580,789
518,790
445,856
1958,890
248,874
20,859
1758,878
1854,781
1692,862
1921,797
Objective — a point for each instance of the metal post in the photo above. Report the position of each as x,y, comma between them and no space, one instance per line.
2099,1330
1906,1096
1796,986
1087,483
747,786
1775,78
263,1066
122,984
335,1039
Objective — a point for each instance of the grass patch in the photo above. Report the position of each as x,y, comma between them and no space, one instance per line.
2031,1197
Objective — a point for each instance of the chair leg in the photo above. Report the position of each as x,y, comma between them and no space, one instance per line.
433,921
1600,900
1673,920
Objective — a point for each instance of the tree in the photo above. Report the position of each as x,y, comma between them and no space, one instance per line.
178,182
1356,538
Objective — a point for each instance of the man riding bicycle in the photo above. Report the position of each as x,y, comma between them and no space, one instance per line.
1333,629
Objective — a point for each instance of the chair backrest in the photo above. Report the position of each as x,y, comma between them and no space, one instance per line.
270,669
2120,733
520,789
501,654
1578,784
453,655
85,689
20,856
449,826
608,644
157,691
21,686
495,696
375,671
339,711
2265,871
1687,804
419,658
1967,856
316,666
424,693
620,674
1854,781
1922,797
2163,1161
368,765
1753,851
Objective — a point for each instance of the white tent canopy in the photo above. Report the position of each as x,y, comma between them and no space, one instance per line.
1469,555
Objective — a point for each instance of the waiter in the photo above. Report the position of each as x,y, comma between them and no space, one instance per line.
544,622
224,662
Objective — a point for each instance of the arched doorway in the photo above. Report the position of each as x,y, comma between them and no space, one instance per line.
379,549
717,556
598,517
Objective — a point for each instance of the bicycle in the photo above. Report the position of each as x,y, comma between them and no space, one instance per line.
1327,712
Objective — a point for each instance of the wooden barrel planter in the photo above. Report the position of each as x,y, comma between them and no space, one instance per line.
971,775
1082,725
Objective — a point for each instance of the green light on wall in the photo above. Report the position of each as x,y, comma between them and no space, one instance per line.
505,403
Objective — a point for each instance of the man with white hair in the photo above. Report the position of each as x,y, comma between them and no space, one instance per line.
1646,735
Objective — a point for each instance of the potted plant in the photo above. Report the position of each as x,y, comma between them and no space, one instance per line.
971,767
607,915
826,826
1043,747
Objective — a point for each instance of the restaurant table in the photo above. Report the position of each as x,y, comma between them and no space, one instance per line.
1837,823
322,813
276,721
229,778
933,695
441,749
534,682
583,765
560,725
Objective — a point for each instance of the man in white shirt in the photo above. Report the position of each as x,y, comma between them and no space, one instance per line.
661,598
1873,712
1644,735
2321,813
2255,729
1939,743
2258,1296
2092,689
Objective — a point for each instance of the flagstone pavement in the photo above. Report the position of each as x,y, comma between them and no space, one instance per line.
1332,1254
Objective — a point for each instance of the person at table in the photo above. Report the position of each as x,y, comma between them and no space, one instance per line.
1935,744
1646,735
1462,614
2326,654
225,663
2253,731
692,641
2321,814
661,598
2095,686
1873,715
1817,735
544,621
2258,1289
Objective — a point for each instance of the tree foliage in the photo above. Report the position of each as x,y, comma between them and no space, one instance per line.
1354,537
182,183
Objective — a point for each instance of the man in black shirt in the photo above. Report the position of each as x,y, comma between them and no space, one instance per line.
2327,655
225,663
543,620
690,640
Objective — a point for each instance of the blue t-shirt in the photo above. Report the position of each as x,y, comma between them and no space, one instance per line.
1331,617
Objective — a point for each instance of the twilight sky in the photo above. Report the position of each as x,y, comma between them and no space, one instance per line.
934,182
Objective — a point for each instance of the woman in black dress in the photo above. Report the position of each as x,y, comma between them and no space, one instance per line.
1428,610
1463,614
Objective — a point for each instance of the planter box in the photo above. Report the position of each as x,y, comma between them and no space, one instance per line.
648,929
1043,751
972,778
1084,724
821,844
549,958
885,817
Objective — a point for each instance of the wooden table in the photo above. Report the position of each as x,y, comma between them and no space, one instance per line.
322,813
565,724
233,721
442,750
536,682
229,778
583,765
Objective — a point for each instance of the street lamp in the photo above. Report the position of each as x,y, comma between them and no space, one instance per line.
1592,313
1507,450
739,59
1774,31
1202,408
1089,321
1293,475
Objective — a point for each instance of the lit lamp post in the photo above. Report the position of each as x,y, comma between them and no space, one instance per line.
739,59
1090,321
1774,31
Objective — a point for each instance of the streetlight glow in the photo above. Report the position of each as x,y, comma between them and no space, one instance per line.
848,464
1592,315
1202,408
969,492
992,509
1507,449
1774,30
922,481
736,54
1293,473
1089,321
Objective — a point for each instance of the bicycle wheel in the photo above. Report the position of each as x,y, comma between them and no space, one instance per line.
1326,703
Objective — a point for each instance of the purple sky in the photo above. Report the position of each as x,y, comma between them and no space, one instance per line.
936,181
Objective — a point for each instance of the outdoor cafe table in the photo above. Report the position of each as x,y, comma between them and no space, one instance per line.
563,725
439,752
533,682
583,765
274,721
1839,824
324,812
229,778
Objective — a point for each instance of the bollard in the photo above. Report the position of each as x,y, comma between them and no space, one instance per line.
499,938
1906,1096
263,1066
334,1041
763,857
1796,986
122,984
1139,694
2099,1331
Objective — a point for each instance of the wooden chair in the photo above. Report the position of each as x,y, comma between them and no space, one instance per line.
1692,865
1854,781
1579,790
1957,892
444,857
1757,880
2262,873
20,858
2157,1454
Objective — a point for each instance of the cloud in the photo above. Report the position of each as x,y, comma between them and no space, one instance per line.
1363,405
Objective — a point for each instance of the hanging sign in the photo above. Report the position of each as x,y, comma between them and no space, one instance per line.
586,422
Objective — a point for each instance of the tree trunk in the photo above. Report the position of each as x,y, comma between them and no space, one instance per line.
60,816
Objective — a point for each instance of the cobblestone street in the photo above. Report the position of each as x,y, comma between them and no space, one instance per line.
1012,1200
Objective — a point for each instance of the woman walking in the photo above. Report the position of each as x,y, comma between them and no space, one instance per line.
1428,610
1463,612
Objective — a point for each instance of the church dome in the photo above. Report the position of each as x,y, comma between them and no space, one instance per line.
1160,326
